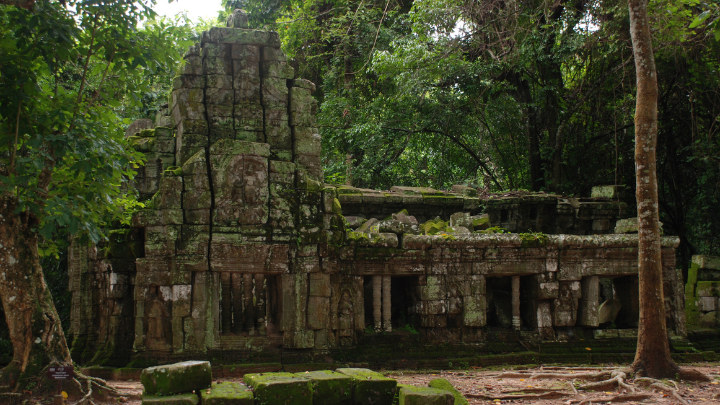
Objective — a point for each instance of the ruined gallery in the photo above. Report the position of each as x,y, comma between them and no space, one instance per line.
242,254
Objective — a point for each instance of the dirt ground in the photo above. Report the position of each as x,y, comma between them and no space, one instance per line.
482,386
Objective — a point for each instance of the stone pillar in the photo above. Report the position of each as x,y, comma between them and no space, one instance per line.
377,302
249,306
516,302
237,288
226,300
589,314
386,304
260,302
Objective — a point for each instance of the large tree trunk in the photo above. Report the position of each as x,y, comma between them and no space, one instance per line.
652,358
35,330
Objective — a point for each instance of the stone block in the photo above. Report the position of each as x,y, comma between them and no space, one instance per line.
219,82
412,395
706,262
319,282
370,388
275,92
217,65
612,192
273,54
241,36
474,310
227,393
188,82
220,96
311,145
176,378
191,95
280,388
443,384
708,289
192,65
182,399
277,69
249,117
330,387
318,312
245,52
707,304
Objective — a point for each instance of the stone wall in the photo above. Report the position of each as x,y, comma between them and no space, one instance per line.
242,250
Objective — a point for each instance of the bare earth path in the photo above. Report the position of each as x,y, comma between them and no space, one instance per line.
479,382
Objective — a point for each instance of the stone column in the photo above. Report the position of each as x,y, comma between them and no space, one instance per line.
516,302
226,300
386,304
249,324
377,302
237,289
260,300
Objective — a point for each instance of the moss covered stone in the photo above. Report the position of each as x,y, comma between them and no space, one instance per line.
227,393
176,378
280,389
412,395
371,388
182,399
330,387
443,384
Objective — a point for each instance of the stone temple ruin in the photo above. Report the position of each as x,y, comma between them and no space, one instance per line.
243,254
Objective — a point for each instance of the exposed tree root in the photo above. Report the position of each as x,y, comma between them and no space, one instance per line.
546,395
671,391
558,376
691,374
628,398
93,381
617,380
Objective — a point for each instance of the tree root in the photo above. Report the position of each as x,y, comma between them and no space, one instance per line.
670,390
618,379
628,398
691,374
546,395
99,383
558,376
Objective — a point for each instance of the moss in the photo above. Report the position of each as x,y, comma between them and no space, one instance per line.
280,389
336,207
412,395
227,393
534,239
443,384
370,387
330,387
183,399
173,171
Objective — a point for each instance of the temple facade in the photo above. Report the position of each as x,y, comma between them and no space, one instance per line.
243,250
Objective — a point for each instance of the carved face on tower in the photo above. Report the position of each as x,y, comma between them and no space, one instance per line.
241,198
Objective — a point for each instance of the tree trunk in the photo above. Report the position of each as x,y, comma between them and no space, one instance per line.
35,330
652,358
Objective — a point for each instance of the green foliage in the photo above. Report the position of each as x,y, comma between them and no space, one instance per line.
68,77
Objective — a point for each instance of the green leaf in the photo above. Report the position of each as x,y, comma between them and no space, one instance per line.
700,19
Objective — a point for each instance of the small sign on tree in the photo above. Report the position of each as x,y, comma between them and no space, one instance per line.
61,373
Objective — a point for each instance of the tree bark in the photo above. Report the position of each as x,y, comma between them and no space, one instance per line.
652,358
35,330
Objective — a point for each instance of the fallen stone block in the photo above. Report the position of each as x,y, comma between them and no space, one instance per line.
227,393
182,399
280,389
412,395
330,387
443,384
176,378
371,388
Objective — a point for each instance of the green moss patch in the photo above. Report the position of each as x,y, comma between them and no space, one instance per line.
412,395
280,389
330,387
184,399
371,388
227,393
443,384
176,378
